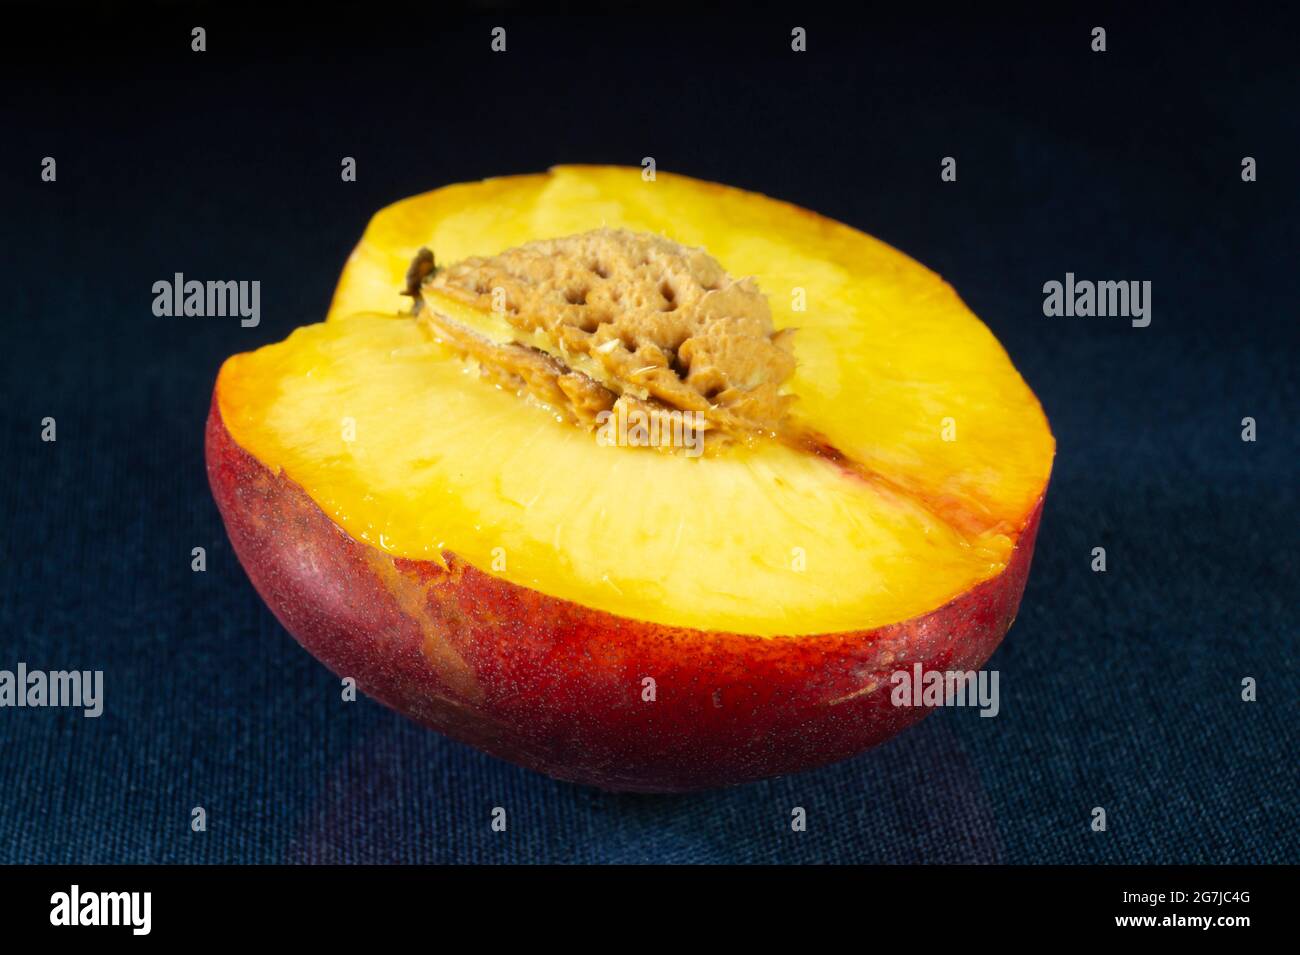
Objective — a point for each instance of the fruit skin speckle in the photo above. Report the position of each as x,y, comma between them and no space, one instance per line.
557,687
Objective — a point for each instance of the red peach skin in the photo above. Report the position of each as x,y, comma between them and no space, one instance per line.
557,687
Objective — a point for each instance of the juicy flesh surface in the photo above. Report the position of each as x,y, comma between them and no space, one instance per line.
401,442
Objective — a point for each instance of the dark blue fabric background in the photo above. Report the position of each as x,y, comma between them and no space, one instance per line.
1119,690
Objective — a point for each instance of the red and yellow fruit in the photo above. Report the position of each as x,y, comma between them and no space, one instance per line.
616,616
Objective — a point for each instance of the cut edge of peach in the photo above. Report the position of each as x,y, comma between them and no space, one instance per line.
397,231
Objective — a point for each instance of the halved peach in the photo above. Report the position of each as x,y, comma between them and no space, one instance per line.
634,618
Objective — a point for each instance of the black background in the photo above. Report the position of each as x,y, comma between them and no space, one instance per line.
1119,690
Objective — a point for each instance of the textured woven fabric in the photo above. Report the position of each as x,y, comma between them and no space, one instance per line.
1120,690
